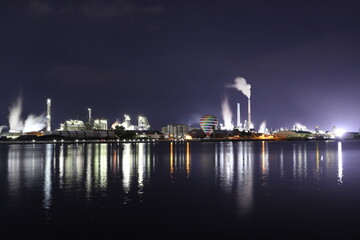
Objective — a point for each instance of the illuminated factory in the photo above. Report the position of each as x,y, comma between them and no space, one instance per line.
176,131
143,123
95,128
78,125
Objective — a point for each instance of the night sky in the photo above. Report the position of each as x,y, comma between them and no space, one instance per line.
171,60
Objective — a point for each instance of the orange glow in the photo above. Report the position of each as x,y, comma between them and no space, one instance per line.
188,137
34,133
171,158
114,160
187,159
263,136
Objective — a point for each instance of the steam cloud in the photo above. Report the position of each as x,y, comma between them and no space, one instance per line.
241,85
31,124
116,123
226,113
262,128
15,122
2,127
34,123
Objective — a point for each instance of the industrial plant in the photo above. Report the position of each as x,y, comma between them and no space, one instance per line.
143,123
36,127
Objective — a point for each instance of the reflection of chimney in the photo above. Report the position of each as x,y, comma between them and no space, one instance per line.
48,115
249,113
238,115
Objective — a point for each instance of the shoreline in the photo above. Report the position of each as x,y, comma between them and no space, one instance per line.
77,141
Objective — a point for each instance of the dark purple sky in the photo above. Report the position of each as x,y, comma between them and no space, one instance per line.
171,60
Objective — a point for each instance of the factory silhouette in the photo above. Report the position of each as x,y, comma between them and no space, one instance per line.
32,128
39,128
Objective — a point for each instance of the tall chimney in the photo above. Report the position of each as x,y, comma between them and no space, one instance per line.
238,115
249,113
48,115
89,109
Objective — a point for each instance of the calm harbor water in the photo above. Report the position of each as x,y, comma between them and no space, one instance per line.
287,190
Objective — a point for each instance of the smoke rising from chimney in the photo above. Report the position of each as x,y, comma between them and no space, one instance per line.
17,124
15,121
241,85
226,113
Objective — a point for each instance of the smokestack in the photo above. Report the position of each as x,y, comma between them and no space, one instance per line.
89,109
249,113
238,115
48,115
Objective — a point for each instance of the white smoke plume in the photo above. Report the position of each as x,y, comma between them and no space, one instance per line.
2,127
116,123
241,85
226,114
299,127
15,121
32,123
262,128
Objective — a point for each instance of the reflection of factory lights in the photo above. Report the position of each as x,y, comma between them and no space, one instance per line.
126,166
187,159
61,163
317,158
171,158
103,165
263,156
340,163
265,159
89,153
282,163
141,164
225,165
47,177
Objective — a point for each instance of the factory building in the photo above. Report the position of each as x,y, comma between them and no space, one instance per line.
72,125
290,134
100,124
78,125
176,130
143,123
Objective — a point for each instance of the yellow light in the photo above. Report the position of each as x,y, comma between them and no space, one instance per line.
171,159
188,137
263,136
187,159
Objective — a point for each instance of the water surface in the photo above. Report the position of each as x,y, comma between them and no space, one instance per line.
248,190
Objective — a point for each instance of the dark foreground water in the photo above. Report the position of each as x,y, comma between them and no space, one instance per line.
238,190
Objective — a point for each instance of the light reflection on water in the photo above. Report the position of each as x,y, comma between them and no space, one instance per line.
340,163
240,169
179,160
235,172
